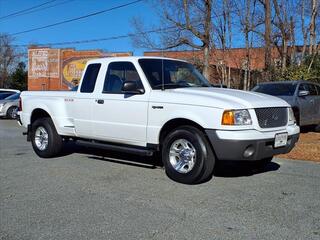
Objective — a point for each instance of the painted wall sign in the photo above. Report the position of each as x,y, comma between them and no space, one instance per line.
44,63
72,70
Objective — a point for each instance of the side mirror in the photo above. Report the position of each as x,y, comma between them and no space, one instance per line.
303,93
131,87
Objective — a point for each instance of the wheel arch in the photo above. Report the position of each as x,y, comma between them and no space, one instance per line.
39,113
174,123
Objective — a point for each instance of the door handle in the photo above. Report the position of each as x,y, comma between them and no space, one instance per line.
100,101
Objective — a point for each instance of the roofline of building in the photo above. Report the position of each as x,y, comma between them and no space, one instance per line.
298,46
31,46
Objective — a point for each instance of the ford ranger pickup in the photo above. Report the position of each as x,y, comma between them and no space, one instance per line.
147,105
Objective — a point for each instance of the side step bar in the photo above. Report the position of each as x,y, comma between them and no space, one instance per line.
119,148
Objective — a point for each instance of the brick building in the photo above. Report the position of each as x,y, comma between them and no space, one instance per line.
59,69
221,61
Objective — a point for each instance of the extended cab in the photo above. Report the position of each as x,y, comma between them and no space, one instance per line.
144,105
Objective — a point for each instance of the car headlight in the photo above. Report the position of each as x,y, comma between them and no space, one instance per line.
292,119
236,117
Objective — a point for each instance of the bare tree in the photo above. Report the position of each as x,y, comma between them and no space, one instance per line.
303,28
282,23
249,22
312,27
184,22
222,29
292,40
8,58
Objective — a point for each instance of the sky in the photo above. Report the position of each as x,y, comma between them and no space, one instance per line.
108,24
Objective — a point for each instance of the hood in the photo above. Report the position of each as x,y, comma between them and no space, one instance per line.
289,99
217,97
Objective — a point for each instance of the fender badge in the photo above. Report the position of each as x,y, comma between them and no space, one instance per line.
157,107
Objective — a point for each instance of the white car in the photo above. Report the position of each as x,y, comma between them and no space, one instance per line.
143,105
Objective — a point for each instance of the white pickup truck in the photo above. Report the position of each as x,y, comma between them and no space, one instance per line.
144,105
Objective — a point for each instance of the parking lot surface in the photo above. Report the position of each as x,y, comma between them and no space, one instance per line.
89,194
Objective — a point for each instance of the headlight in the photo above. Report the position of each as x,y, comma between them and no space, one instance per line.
292,119
236,117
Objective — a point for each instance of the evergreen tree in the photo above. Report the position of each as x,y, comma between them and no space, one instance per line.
18,79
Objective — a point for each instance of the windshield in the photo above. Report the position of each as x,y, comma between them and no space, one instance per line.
172,74
277,89
13,97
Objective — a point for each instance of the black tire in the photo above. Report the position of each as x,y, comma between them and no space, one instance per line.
54,140
12,112
204,157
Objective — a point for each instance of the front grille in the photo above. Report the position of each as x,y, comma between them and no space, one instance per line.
272,117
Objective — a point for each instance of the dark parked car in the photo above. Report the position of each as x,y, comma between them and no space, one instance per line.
303,96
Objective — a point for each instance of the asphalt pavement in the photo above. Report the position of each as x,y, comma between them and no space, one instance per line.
89,194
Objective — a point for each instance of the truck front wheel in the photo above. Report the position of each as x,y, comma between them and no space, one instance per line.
187,156
46,142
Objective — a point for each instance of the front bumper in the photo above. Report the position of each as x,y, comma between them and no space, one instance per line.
248,149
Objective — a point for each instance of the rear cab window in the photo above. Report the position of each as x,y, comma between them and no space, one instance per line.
90,78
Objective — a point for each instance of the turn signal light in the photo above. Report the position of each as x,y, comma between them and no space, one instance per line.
228,118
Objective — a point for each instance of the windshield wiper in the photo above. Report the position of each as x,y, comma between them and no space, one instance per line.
158,86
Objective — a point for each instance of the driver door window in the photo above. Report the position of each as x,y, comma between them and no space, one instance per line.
117,74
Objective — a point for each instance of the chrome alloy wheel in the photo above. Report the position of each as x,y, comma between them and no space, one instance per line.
182,156
41,138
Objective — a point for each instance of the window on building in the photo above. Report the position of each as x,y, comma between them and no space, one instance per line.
90,78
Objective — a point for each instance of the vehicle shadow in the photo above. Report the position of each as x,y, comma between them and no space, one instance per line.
112,156
225,169
232,169
307,129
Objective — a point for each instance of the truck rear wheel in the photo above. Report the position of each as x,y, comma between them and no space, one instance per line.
46,142
187,156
